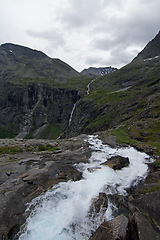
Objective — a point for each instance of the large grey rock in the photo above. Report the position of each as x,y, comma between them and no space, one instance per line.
115,229
142,228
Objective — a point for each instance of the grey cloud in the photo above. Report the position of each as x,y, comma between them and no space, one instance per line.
134,28
81,13
116,57
119,56
93,60
54,36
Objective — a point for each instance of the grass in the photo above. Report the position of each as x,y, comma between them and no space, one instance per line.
51,132
30,135
10,150
6,134
48,147
148,217
122,135
149,190
157,164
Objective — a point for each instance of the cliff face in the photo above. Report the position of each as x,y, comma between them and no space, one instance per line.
31,91
24,109
37,92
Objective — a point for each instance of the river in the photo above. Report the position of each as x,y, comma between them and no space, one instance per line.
62,212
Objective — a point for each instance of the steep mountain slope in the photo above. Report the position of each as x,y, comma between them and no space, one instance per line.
152,50
29,97
92,71
20,64
129,100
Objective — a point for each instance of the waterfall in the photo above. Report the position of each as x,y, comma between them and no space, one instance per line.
63,211
88,86
69,122
70,119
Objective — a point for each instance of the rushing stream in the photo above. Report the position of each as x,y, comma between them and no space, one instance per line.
63,211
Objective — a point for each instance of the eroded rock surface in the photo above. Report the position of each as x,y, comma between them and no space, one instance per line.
29,172
115,229
117,162
25,175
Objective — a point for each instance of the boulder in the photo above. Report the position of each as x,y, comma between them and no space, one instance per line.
100,202
117,162
141,228
98,207
115,229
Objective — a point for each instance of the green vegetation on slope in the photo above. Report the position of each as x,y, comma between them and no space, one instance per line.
10,149
132,110
49,132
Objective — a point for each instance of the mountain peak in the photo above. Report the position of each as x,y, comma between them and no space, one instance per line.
21,50
93,71
22,64
151,50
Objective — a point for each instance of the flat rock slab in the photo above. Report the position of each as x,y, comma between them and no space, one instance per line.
114,229
117,162
143,228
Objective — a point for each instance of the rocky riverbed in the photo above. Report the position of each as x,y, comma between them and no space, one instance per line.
31,167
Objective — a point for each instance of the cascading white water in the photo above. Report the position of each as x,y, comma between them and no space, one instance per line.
88,86
70,119
62,212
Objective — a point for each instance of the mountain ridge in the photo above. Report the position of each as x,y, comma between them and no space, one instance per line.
151,50
100,71
125,96
20,64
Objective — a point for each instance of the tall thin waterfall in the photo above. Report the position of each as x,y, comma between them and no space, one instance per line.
70,119
88,86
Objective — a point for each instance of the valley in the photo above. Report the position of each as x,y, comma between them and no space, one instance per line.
48,111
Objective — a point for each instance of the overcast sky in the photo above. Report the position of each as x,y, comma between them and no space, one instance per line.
82,33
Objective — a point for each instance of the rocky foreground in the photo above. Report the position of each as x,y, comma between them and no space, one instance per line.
31,167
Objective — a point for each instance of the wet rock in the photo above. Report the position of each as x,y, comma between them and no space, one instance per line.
115,229
92,169
121,204
100,202
25,175
117,162
141,228
149,203
13,231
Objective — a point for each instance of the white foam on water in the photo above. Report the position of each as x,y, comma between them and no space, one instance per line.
62,212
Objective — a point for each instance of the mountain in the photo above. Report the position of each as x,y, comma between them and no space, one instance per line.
40,95
129,100
151,51
92,71
20,64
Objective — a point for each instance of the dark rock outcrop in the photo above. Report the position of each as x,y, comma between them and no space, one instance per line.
141,228
115,229
35,105
99,206
117,162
